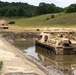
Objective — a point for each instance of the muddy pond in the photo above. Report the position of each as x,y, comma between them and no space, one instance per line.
54,64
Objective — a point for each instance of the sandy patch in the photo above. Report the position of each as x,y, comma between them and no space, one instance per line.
15,61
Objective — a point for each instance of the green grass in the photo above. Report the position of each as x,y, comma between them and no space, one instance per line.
1,64
60,20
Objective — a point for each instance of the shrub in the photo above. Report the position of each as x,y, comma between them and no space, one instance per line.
47,18
11,22
1,63
52,16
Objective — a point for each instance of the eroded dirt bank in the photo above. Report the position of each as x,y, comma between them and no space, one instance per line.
15,61
22,39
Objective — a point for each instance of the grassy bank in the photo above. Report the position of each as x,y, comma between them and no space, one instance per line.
59,20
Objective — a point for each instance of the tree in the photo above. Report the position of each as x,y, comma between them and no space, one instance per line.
23,9
20,12
11,12
42,4
59,9
3,11
51,8
71,8
42,8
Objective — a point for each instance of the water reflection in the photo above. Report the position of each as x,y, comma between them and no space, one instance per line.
57,64
66,63
31,52
60,59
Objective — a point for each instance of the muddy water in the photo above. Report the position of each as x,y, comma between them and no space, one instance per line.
55,64
31,51
58,64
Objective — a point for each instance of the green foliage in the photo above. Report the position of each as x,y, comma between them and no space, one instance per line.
47,8
71,8
60,20
1,63
20,12
51,8
11,12
18,9
15,9
47,18
52,16
42,8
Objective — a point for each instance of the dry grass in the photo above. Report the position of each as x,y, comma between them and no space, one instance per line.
60,20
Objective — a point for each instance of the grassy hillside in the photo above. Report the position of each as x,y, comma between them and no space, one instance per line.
60,20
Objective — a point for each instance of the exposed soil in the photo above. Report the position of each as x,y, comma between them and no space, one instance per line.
21,40
11,65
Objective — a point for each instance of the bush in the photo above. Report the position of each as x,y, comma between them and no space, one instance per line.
47,18
1,63
52,16
11,22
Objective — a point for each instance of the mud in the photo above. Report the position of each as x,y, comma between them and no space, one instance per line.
21,40
51,64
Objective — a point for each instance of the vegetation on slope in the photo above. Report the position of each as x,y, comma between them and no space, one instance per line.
1,63
18,9
42,15
61,19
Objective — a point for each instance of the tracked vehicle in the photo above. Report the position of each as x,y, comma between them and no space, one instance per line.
58,42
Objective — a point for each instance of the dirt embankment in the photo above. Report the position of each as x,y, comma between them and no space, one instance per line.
15,61
22,40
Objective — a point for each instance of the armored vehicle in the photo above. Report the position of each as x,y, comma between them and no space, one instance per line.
3,24
58,42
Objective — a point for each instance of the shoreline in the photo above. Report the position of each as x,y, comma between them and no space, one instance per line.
25,61
18,29
23,57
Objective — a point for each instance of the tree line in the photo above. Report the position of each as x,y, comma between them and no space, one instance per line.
16,9
71,8
44,8
25,10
